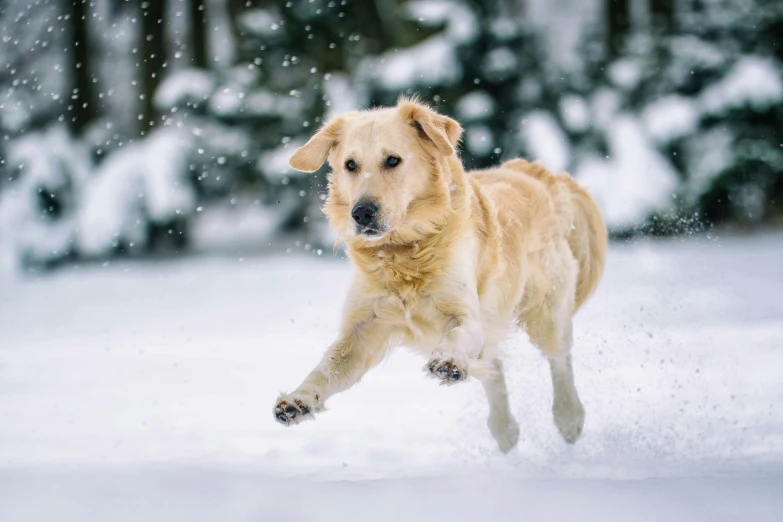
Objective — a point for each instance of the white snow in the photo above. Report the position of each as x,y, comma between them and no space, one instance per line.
625,73
479,139
275,162
237,226
261,22
184,86
604,105
143,180
47,161
753,81
500,63
710,153
633,181
15,113
693,53
546,141
670,118
341,94
477,105
227,100
260,102
575,112
461,23
431,62
144,392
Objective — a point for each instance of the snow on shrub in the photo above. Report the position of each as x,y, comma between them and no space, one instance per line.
752,82
341,95
275,162
261,22
546,141
575,113
479,140
461,23
144,181
48,169
670,118
434,60
634,181
477,105
189,86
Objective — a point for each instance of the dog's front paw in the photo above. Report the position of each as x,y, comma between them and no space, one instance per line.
447,369
293,410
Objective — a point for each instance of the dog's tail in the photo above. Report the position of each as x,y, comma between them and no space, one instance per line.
580,221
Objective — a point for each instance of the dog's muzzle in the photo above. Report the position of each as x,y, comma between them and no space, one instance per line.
365,215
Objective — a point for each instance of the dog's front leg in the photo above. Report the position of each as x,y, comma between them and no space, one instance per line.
363,342
462,342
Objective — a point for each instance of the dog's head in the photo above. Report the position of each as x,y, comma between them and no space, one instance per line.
386,184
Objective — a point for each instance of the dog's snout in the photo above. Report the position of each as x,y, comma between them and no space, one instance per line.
365,213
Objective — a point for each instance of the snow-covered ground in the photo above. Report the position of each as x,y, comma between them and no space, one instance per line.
144,392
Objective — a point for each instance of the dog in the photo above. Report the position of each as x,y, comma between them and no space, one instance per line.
448,262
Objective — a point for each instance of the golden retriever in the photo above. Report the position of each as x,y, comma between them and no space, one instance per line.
447,262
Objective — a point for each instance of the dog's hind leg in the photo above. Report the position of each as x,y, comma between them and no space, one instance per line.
501,423
567,409
549,326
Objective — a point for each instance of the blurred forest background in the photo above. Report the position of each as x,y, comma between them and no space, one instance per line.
155,127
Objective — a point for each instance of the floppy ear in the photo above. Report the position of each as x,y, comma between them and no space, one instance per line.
310,156
434,129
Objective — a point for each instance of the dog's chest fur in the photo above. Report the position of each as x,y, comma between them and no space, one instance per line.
408,272
404,278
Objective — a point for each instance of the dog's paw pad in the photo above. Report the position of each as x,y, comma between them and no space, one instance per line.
447,370
292,411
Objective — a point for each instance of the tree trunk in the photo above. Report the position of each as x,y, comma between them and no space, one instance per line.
618,17
153,56
83,102
199,42
662,15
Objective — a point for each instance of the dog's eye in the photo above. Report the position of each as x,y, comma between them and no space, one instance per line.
392,161
350,165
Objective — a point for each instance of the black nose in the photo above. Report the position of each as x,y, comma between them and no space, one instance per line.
364,213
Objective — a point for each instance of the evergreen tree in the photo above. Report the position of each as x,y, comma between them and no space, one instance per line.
499,76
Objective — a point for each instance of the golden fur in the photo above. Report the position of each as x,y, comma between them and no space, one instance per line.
460,258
